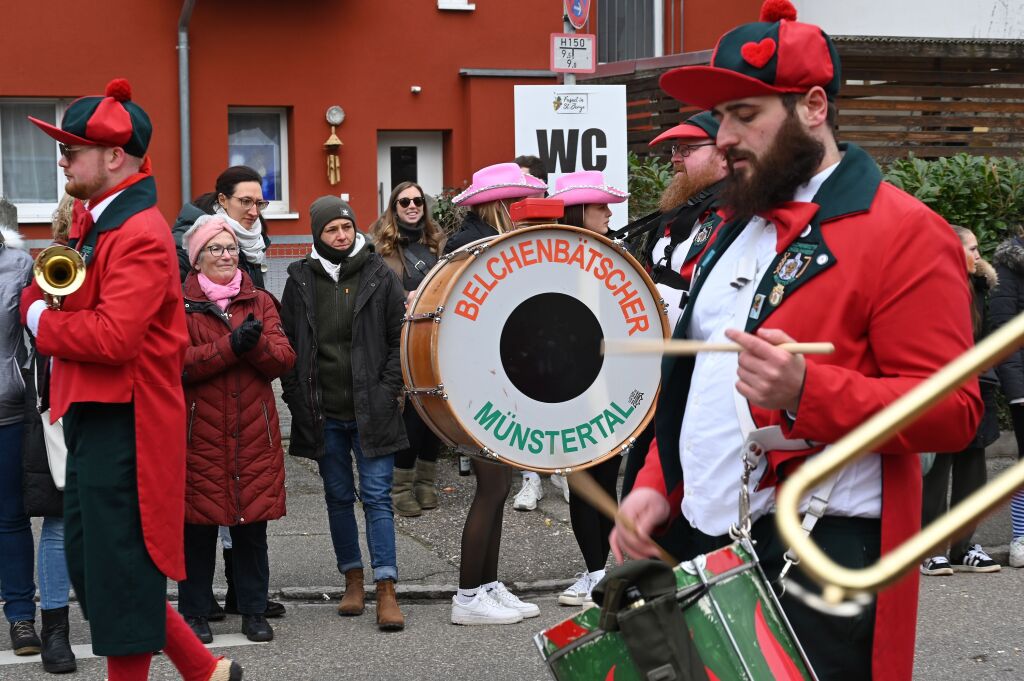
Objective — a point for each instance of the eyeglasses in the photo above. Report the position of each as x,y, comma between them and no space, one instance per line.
69,152
684,150
216,250
248,203
415,200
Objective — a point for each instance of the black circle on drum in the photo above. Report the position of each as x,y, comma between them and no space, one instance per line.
551,347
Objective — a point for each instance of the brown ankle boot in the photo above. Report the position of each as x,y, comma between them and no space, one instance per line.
389,617
354,600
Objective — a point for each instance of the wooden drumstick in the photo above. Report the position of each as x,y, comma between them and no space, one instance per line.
581,483
692,347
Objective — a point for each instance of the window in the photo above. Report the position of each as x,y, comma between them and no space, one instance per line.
258,138
463,5
29,176
625,30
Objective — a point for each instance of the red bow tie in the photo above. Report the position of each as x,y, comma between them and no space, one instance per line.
789,218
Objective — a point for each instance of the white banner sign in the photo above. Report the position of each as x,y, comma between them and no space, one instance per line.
573,128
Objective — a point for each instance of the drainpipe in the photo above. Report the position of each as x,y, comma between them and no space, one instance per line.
659,28
183,101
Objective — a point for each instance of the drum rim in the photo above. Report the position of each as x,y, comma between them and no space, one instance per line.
477,447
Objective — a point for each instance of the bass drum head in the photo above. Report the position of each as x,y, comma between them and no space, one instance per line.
519,348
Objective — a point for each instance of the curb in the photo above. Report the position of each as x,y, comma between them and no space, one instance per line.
408,592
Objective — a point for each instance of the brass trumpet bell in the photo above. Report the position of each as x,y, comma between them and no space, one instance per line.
59,271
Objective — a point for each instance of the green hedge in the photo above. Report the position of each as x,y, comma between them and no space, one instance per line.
981,193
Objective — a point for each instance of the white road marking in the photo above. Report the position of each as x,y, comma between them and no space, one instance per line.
84,651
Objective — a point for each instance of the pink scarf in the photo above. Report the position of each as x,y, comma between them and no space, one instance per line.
221,293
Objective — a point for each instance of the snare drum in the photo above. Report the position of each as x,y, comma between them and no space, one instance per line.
501,348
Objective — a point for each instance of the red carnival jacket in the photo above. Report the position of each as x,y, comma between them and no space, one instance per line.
882,277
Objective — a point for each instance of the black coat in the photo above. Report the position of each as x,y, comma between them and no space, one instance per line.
40,496
472,229
190,212
1004,303
982,282
376,364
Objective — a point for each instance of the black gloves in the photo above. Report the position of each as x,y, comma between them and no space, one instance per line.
245,337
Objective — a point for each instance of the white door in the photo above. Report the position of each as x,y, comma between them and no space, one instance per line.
407,155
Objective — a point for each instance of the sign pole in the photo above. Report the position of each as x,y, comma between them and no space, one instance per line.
568,78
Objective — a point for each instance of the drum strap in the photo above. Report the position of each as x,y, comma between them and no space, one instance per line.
757,443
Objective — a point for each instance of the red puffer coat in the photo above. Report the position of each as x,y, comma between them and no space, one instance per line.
235,470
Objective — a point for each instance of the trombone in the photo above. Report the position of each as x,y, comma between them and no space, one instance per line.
839,582
60,271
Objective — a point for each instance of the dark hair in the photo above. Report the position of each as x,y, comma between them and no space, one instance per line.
790,99
534,165
226,183
574,215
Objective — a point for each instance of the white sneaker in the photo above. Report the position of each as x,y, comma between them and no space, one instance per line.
1017,552
483,609
529,495
560,482
578,593
508,599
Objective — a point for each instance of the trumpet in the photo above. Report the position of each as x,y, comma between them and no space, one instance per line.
59,271
839,582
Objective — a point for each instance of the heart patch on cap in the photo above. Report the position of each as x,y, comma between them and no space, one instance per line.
758,54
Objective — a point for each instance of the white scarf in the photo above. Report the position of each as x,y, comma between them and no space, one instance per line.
333,270
250,241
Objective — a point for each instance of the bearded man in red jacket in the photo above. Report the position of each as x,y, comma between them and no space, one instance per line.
118,346
815,247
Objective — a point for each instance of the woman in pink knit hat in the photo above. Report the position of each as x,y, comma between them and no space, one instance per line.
235,463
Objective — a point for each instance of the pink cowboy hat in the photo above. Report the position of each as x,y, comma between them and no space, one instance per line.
586,186
500,181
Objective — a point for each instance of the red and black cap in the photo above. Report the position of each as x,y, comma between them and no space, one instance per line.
773,56
700,126
112,120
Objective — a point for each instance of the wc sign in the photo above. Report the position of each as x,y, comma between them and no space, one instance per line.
573,128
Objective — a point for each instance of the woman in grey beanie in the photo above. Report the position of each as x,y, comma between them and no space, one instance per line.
342,310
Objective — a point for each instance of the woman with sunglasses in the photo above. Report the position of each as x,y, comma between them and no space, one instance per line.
235,462
408,239
481,598
238,198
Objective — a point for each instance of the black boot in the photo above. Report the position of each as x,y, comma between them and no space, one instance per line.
23,638
257,628
58,658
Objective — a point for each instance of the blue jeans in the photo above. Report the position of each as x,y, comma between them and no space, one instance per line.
341,441
54,583
16,585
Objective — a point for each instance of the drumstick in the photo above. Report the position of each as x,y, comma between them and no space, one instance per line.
581,483
692,347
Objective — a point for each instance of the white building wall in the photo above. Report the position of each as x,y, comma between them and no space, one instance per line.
917,18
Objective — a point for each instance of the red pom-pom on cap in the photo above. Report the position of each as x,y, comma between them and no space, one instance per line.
777,10
120,89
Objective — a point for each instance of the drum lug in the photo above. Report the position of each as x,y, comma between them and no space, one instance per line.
488,453
426,316
628,445
664,305
436,391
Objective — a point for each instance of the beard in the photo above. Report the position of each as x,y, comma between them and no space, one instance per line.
684,185
86,189
772,179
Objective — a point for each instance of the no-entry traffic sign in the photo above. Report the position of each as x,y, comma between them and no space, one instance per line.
578,12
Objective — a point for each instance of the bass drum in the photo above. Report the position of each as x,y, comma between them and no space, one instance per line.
501,348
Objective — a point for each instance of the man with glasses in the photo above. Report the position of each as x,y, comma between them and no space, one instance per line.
118,346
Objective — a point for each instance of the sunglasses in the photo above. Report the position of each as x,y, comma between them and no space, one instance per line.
69,152
405,201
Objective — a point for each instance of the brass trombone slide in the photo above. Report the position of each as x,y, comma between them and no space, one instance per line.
839,582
